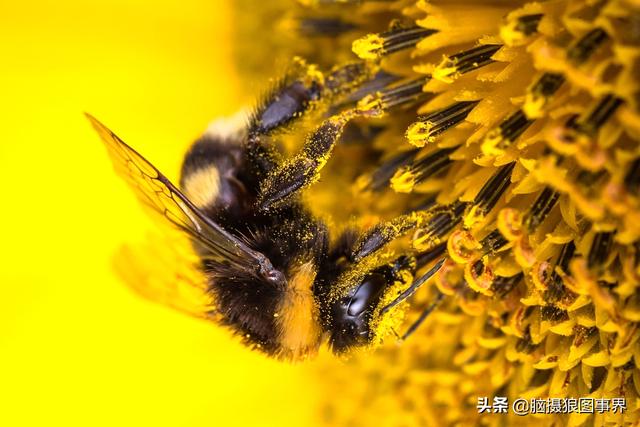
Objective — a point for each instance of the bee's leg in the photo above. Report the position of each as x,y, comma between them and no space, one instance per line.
434,223
304,168
290,98
304,89
295,97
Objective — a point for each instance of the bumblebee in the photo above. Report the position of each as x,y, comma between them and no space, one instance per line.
274,273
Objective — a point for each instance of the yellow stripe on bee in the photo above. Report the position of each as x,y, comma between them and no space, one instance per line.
297,315
202,186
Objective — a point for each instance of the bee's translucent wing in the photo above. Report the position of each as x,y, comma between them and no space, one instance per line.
155,190
165,270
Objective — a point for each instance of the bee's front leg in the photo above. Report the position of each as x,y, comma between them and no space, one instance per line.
304,168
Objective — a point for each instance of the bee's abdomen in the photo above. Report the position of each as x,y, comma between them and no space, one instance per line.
210,176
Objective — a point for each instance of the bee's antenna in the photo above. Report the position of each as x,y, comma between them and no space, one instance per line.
427,311
414,287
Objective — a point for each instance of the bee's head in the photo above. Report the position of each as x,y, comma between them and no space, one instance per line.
355,316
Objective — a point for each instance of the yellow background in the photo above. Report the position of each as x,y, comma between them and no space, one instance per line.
77,347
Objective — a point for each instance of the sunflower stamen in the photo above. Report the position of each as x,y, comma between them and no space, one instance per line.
519,29
553,314
539,95
582,50
324,27
497,140
406,178
493,242
410,91
375,46
556,290
426,257
528,24
489,194
431,235
541,208
632,178
466,61
349,77
600,248
599,114
425,131
381,177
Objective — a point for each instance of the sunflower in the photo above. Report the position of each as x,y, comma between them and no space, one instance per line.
512,128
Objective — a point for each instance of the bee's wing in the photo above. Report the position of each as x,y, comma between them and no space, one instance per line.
165,270
155,190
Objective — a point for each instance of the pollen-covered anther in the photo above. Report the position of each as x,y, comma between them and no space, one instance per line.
430,126
424,240
419,134
488,195
370,108
502,287
474,216
434,230
370,103
462,246
406,178
494,242
381,177
368,47
374,46
499,139
492,144
403,180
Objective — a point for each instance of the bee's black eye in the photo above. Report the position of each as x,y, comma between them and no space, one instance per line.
352,314
368,292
